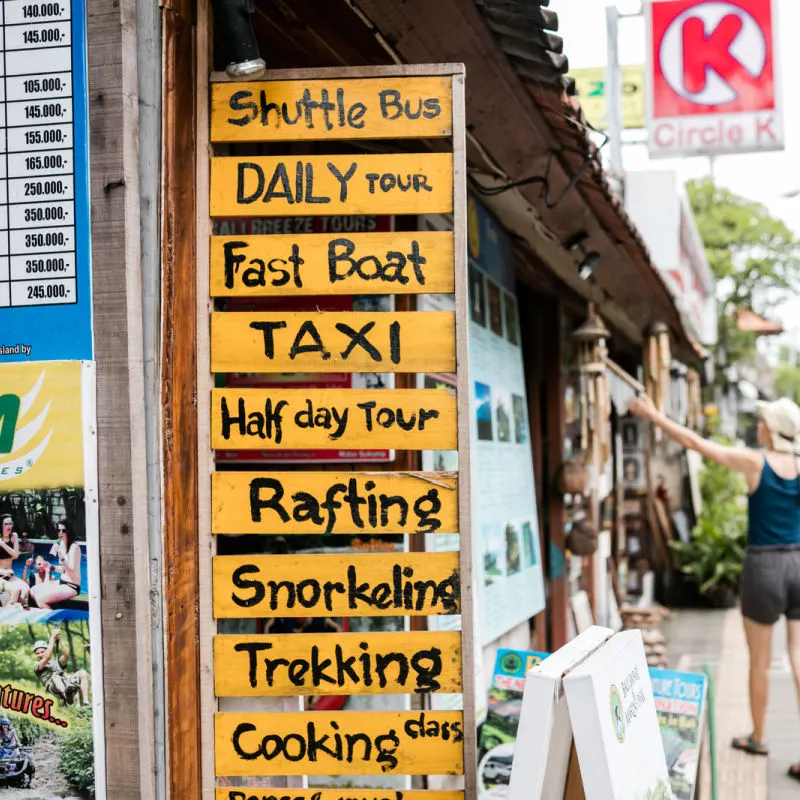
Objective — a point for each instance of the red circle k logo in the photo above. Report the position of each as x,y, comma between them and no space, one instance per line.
706,45
711,55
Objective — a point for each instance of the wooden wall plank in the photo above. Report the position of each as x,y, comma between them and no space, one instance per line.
320,263
125,606
254,419
335,585
363,108
342,743
346,341
279,186
466,559
337,663
334,502
179,391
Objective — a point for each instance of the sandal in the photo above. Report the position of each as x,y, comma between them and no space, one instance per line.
748,744
794,772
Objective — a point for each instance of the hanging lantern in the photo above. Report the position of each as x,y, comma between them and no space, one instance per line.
591,338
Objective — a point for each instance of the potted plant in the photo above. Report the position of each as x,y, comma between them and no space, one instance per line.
714,556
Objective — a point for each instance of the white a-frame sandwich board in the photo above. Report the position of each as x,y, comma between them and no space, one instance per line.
593,698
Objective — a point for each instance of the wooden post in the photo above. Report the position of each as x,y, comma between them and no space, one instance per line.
464,433
125,609
554,383
179,397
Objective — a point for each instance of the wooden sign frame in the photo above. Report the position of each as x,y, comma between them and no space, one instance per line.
207,546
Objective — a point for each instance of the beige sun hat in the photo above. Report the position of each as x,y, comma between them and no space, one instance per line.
782,418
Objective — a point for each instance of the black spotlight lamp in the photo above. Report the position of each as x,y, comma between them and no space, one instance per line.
589,259
233,20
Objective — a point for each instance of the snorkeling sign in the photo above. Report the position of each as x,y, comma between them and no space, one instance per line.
330,106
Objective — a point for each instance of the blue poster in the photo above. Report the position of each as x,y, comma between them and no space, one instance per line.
45,253
680,703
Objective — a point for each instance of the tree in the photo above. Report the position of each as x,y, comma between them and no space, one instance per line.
754,257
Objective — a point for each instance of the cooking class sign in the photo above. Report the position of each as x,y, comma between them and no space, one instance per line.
316,107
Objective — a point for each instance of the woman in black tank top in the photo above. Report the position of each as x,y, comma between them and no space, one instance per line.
770,581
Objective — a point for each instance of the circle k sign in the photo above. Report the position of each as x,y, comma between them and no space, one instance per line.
712,77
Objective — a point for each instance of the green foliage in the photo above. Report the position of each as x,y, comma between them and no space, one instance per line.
787,382
754,257
714,557
77,755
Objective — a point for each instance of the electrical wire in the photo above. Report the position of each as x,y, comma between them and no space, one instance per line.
544,180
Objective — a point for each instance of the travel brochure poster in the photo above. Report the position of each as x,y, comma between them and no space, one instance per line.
680,699
680,702
48,538
499,730
505,517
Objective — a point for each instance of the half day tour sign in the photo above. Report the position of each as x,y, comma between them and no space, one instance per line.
305,335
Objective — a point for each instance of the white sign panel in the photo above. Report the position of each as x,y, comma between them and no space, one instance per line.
615,723
712,77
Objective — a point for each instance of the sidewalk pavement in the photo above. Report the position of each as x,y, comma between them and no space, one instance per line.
716,638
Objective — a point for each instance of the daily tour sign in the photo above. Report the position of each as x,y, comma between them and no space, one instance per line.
713,81
414,103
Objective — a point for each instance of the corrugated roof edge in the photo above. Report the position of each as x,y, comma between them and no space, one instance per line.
521,28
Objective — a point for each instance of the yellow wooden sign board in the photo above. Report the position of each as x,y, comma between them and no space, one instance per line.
279,186
273,793
336,585
346,341
286,665
339,743
335,419
334,502
313,110
322,263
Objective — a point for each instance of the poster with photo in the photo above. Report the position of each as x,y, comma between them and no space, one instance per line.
499,731
505,516
50,667
680,702
634,476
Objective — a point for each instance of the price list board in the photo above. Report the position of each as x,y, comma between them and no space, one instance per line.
421,103
45,272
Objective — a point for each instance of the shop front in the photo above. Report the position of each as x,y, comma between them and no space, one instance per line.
312,418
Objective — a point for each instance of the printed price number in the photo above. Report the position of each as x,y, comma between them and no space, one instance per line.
42,36
23,216
42,136
44,266
46,111
36,12
21,191
44,292
54,239
22,88
44,85
45,164
52,161
34,35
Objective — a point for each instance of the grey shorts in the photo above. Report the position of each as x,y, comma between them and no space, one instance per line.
770,584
